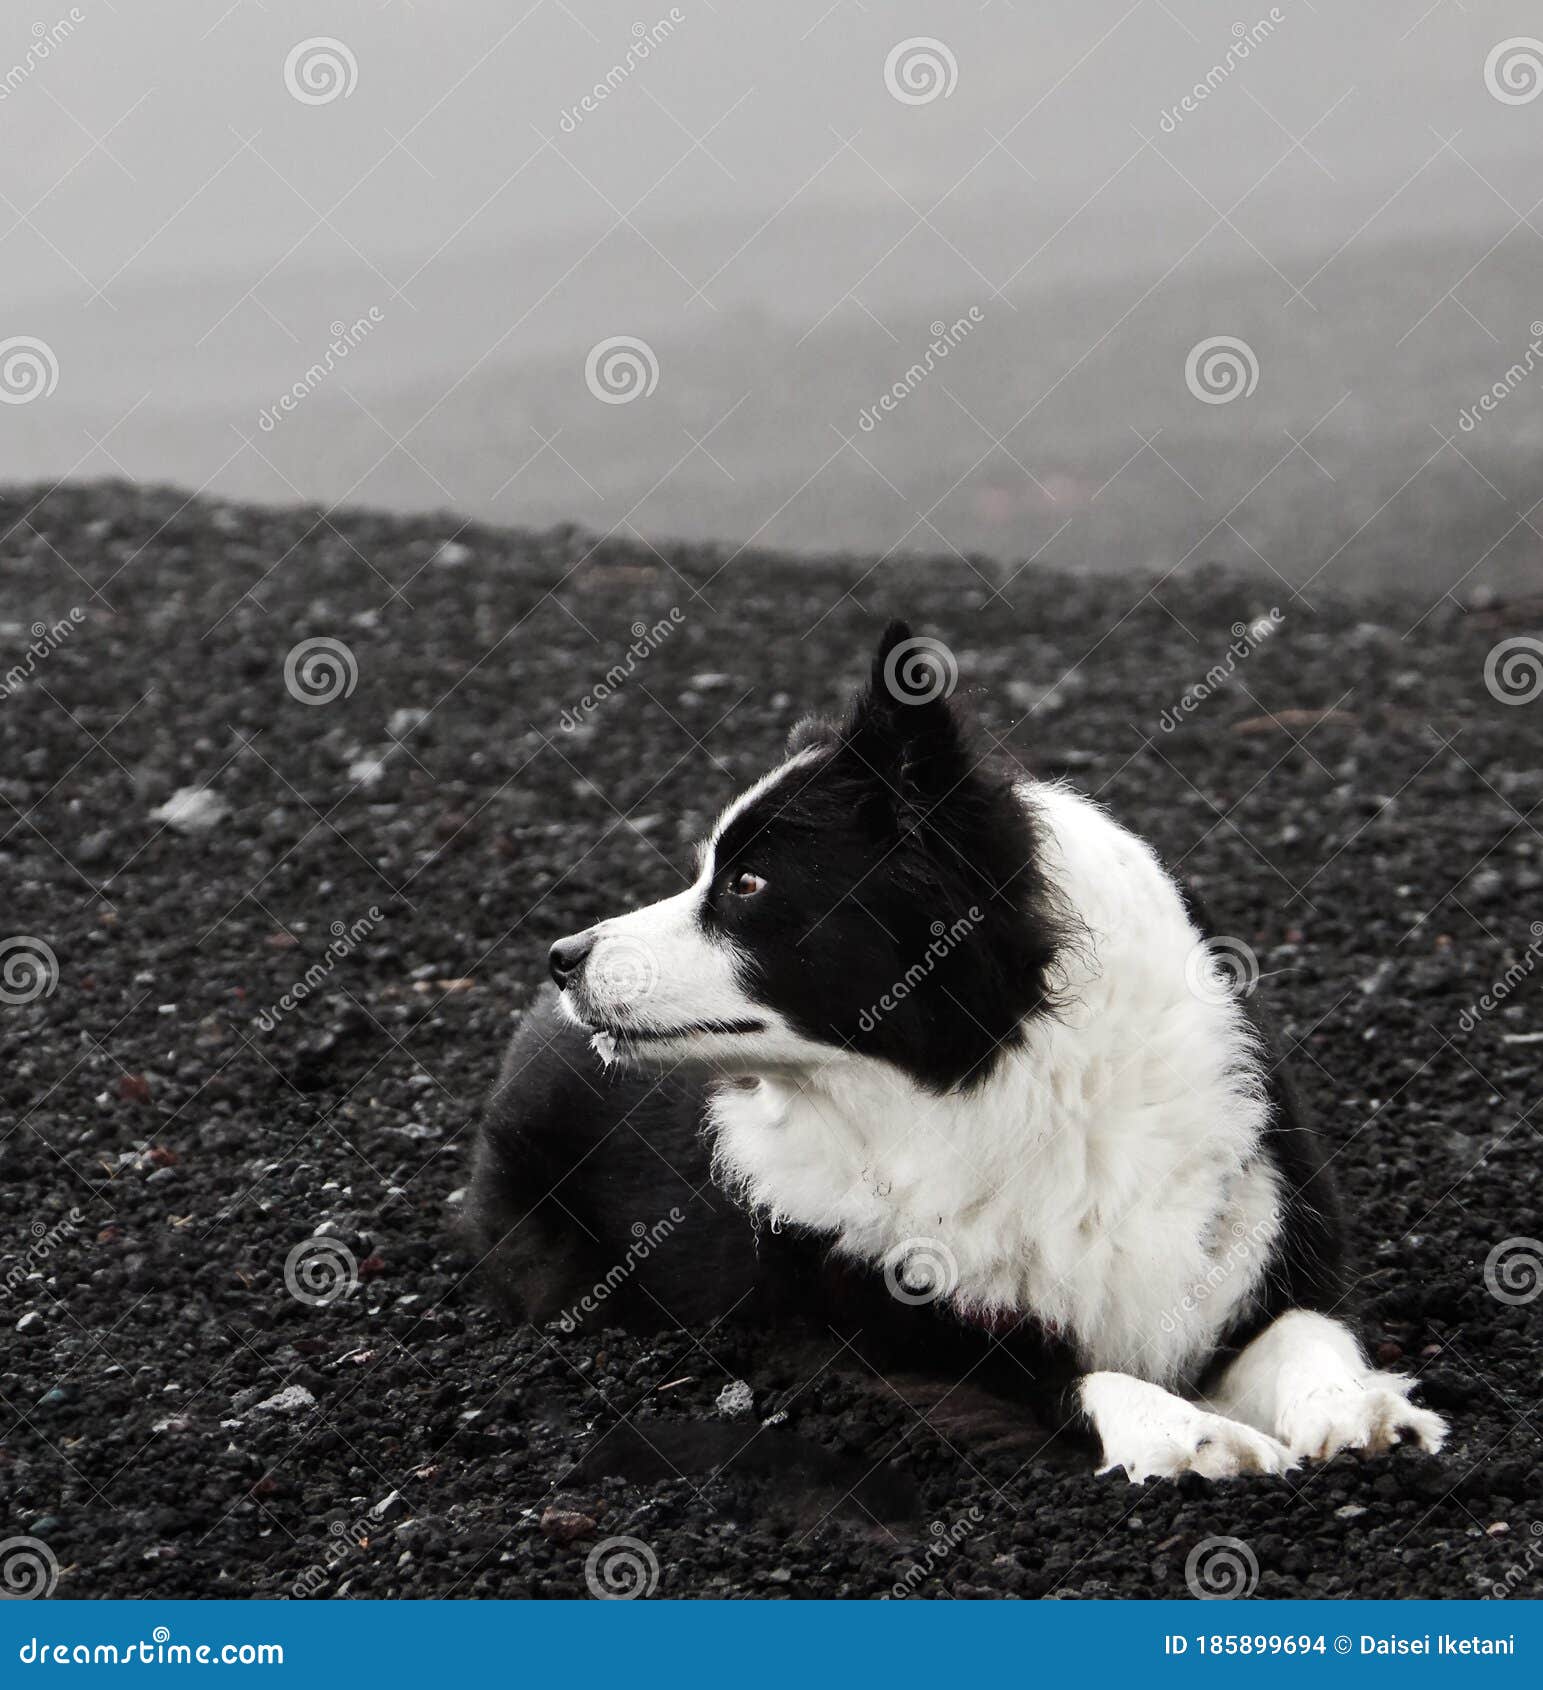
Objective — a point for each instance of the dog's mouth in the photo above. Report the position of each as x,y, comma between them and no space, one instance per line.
625,1036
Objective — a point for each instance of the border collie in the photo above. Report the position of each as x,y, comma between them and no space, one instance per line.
936,1055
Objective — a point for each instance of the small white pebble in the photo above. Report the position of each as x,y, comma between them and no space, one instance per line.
403,721
192,809
735,1398
290,1400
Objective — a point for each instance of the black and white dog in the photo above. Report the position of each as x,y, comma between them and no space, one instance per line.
936,1054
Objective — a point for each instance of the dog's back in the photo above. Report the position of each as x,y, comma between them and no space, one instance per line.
592,1200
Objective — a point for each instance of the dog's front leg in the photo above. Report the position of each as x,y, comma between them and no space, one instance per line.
1305,1381
1151,1433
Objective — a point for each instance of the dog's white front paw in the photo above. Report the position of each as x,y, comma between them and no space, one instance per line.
1369,1414
1201,1443
1152,1434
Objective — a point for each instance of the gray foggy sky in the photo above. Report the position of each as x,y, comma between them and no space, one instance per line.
755,203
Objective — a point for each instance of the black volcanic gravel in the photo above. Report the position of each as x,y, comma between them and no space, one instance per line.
164,1153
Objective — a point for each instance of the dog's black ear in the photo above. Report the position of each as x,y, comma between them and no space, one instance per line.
810,731
903,724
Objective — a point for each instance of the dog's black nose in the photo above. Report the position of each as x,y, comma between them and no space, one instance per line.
566,957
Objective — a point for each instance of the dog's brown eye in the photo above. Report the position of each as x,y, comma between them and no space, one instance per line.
745,885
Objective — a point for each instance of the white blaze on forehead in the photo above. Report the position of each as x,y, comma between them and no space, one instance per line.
737,807
661,966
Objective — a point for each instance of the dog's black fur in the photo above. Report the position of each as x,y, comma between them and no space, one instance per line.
905,836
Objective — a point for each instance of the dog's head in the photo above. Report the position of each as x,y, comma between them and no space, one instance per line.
877,895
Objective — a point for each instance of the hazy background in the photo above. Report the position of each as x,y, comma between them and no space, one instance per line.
1353,201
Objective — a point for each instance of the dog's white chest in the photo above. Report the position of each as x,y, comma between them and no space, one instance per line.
1104,1180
